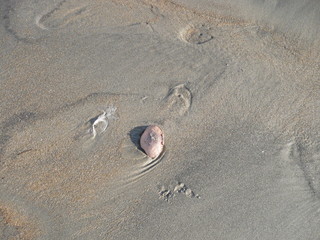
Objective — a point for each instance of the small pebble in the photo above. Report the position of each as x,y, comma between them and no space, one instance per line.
152,141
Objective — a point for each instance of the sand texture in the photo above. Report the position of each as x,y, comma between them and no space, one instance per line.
233,85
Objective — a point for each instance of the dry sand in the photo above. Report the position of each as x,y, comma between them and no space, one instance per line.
234,85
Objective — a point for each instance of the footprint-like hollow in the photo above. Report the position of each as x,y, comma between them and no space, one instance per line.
196,34
179,100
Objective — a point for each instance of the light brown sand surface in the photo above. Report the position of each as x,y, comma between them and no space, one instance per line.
236,96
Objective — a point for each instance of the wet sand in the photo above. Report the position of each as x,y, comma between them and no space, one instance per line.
236,95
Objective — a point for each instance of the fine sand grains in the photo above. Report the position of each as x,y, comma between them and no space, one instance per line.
81,81
15,226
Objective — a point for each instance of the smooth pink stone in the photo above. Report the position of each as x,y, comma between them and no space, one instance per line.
152,141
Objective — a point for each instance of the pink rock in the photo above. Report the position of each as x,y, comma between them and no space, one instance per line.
152,141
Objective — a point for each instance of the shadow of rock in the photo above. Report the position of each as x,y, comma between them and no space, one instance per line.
135,135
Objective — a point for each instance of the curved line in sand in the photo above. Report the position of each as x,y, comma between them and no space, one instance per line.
40,25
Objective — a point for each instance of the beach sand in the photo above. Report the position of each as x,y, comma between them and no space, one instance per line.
234,86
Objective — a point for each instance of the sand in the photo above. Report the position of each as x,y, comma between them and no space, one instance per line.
233,85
